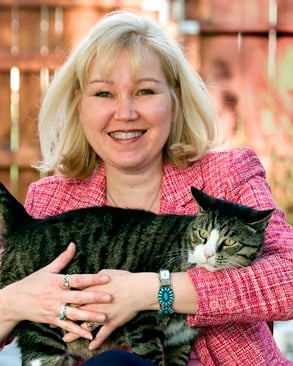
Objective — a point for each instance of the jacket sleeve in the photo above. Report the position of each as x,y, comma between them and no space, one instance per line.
262,291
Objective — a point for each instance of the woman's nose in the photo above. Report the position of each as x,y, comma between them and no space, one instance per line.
125,109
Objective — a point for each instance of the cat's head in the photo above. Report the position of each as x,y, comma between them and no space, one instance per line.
225,234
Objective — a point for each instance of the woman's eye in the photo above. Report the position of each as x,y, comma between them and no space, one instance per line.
145,92
229,242
103,94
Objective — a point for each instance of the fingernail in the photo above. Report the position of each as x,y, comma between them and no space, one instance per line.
69,245
67,339
106,297
89,337
100,318
93,346
104,278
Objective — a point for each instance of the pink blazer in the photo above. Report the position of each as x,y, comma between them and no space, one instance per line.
234,305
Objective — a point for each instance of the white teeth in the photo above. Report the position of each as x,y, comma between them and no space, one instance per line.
125,135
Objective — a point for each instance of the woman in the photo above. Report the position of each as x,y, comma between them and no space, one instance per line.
127,122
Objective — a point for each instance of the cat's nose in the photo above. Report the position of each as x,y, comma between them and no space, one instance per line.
208,253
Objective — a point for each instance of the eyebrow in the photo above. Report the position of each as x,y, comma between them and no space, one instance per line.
137,81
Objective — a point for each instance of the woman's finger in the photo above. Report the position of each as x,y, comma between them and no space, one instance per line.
76,330
76,314
62,260
65,319
79,298
82,281
103,333
70,337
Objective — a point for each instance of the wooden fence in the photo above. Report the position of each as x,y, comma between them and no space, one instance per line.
242,48
246,56
35,38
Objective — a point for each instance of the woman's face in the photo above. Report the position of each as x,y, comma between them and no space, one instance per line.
127,115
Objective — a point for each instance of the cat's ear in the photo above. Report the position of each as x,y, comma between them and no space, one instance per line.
260,218
202,199
12,212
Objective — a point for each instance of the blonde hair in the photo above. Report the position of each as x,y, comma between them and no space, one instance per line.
64,146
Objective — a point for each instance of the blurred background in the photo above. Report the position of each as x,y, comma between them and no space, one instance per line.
243,49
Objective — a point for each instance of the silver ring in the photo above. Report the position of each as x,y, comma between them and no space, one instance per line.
63,312
66,281
92,325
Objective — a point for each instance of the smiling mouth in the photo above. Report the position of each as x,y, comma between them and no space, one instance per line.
126,135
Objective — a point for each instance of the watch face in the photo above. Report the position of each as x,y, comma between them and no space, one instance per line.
165,275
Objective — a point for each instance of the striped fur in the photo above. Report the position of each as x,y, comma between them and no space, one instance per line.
222,235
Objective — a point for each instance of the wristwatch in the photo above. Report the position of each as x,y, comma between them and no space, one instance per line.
165,294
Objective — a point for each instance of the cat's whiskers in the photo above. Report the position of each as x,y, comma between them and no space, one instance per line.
174,256
232,264
107,237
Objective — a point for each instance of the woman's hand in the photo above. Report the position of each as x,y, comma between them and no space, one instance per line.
130,292
40,296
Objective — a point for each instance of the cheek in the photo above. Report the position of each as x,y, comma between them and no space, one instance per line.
86,125
163,106
90,118
164,117
172,109
82,113
165,129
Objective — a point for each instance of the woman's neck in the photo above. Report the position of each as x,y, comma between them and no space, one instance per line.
140,190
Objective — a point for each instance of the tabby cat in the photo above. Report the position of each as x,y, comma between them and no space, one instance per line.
222,235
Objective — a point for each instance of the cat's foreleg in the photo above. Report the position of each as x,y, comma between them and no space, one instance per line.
179,337
178,356
146,336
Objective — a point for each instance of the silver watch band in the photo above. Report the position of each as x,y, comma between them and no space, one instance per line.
165,277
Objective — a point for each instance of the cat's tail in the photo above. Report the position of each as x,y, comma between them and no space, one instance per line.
12,212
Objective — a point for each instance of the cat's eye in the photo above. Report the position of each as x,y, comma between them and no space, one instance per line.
229,242
203,234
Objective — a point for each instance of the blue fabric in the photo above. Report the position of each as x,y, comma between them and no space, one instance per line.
117,358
